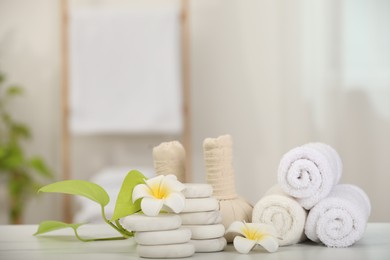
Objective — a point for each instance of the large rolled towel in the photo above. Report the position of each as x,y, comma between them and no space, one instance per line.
309,172
340,219
284,213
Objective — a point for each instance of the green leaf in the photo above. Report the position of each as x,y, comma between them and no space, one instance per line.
19,184
20,130
83,188
7,119
14,91
12,158
2,77
124,204
51,225
3,153
39,165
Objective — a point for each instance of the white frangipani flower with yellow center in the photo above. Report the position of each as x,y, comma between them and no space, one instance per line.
160,192
253,234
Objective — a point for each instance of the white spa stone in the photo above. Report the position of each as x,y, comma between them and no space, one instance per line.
176,236
201,218
140,222
198,190
206,231
209,245
201,204
166,251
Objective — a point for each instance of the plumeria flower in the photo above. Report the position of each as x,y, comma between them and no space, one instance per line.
160,192
253,234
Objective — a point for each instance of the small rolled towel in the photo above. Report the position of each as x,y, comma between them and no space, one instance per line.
340,219
309,172
284,213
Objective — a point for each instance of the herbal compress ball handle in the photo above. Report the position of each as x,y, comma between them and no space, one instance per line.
169,158
218,158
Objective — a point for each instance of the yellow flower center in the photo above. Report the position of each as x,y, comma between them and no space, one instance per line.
159,191
252,234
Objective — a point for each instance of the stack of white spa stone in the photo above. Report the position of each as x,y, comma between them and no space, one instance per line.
202,216
160,237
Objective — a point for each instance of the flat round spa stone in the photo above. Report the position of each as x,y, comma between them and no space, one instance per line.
206,231
140,222
201,204
176,236
201,218
209,245
198,190
166,251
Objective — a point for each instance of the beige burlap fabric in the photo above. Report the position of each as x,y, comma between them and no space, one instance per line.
169,158
218,158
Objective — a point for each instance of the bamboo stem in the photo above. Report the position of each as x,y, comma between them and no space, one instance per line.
67,210
185,51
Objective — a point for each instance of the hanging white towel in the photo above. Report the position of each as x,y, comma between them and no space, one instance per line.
125,74
340,219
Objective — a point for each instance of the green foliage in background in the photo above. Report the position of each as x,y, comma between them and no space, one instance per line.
20,171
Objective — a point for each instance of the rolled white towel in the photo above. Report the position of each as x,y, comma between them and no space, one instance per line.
340,219
284,213
309,172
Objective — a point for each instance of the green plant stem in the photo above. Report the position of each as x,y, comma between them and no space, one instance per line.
118,228
96,239
125,234
128,233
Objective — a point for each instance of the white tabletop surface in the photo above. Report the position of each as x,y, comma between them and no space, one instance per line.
17,242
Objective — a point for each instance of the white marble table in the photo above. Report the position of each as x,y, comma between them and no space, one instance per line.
17,242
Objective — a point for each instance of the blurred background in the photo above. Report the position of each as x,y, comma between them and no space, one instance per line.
272,74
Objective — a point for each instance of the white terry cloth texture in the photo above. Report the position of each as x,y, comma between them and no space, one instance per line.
125,72
340,219
284,213
309,172
169,158
201,218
